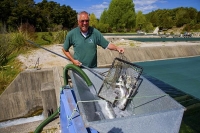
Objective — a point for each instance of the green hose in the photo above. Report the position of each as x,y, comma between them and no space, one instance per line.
47,121
78,70
65,74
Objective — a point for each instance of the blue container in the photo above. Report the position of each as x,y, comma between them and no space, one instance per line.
70,119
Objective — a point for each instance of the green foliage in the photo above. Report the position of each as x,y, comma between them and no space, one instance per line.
142,23
19,12
186,129
5,48
93,20
140,20
47,38
59,37
18,39
104,28
12,44
43,15
187,28
167,18
121,14
44,38
149,27
9,70
104,17
198,17
191,28
196,27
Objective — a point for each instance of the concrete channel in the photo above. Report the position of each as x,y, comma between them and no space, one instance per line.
39,89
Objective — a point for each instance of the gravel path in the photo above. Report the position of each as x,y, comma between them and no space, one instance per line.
43,59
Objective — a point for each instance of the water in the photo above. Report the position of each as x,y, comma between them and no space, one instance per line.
180,78
21,121
183,73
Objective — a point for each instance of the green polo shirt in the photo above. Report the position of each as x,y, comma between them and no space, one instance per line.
85,48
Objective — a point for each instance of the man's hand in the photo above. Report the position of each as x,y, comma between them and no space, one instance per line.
77,63
120,50
116,48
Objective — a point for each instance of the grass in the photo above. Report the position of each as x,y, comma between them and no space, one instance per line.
9,71
46,38
186,129
10,68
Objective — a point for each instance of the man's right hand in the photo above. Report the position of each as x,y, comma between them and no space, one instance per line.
77,63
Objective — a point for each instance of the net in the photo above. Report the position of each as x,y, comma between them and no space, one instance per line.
121,82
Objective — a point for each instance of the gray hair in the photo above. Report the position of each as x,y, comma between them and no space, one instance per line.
82,12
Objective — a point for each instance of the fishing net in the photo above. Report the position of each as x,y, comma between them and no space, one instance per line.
121,82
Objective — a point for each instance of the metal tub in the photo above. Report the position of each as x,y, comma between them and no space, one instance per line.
149,111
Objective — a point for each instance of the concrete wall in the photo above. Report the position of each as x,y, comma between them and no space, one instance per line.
138,54
24,94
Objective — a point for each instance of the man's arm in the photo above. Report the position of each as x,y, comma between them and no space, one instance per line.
116,48
69,56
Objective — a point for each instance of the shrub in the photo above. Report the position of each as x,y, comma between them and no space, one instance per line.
59,37
5,48
18,38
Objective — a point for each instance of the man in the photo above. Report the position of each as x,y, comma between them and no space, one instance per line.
85,39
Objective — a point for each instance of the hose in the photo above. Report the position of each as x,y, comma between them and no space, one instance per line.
78,70
47,121
82,74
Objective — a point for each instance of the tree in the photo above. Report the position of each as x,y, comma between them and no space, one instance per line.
153,18
93,20
69,16
53,15
140,20
22,12
103,27
149,27
104,17
121,14
47,11
44,15
198,17
181,17
5,10
166,21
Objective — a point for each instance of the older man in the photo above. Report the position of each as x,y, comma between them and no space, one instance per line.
85,39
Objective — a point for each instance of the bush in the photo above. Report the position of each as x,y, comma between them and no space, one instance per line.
59,37
11,45
5,48
18,38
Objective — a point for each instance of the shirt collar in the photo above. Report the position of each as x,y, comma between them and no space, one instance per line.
90,29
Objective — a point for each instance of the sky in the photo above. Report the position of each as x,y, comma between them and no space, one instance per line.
146,6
